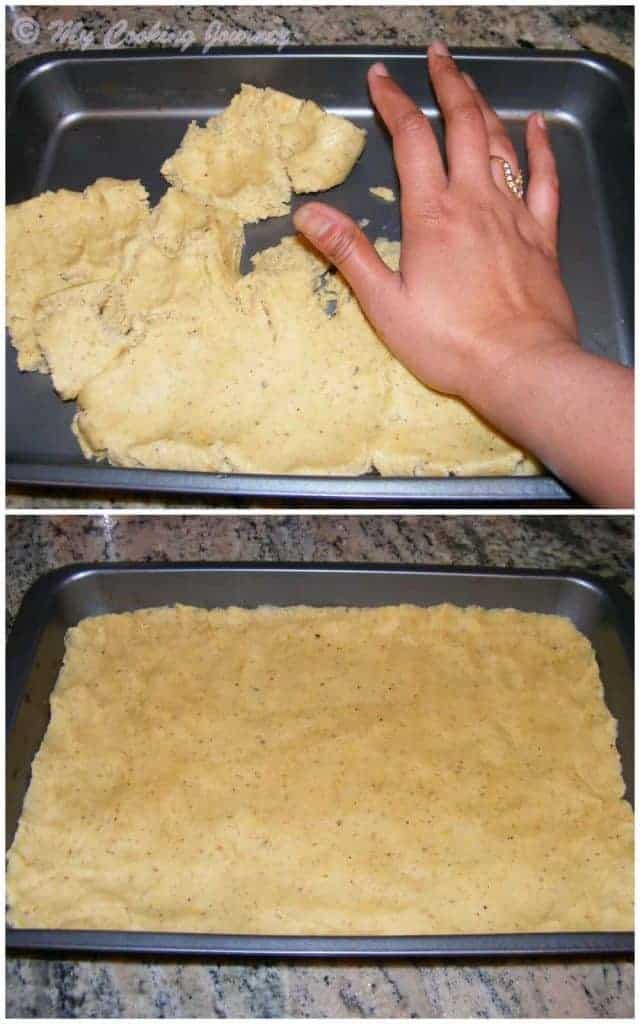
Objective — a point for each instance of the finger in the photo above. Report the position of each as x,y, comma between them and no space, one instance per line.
343,243
543,192
415,147
465,132
499,142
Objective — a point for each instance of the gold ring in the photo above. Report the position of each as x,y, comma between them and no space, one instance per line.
514,182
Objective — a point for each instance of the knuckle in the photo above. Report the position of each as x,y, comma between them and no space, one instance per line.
466,113
430,214
477,216
339,244
486,221
485,210
411,122
447,70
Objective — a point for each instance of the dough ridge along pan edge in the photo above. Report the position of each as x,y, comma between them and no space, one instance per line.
59,599
72,117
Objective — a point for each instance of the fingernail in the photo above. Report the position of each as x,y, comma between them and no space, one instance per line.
379,69
439,48
310,220
540,121
470,82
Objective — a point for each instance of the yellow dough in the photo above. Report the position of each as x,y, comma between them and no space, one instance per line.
257,377
394,770
429,434
259,397
384,193
59,241
437,436
263,147
74,337
179,362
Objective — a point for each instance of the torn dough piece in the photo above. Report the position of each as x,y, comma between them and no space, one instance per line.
326,771
169,265
384,193
62,240
75,337
181,261
263,146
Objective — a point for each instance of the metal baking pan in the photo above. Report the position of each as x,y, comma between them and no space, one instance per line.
61,598
74,117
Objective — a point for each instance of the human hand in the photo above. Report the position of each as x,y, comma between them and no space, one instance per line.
479,281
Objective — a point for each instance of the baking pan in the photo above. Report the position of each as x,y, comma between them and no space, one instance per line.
74,117
63,597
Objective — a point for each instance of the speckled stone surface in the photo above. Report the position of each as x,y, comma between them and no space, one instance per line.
606,29
49,987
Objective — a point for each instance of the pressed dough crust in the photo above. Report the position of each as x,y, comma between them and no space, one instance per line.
393,770
179,362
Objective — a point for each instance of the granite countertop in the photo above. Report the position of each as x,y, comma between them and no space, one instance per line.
606,29
41,986
39,29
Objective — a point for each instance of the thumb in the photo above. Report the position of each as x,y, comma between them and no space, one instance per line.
344,244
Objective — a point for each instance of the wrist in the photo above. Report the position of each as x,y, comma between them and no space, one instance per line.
502,364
